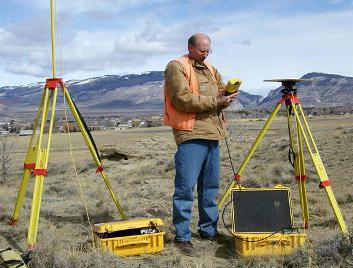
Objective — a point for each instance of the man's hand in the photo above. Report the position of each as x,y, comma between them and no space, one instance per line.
224,101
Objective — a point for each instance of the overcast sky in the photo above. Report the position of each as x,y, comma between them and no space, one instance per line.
252,40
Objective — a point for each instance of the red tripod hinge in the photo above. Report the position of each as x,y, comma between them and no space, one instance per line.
324,184
99,169
288,99
300,177
13,222
237,177
40,172
52,83
29,166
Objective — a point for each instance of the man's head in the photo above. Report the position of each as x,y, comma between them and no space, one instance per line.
199,46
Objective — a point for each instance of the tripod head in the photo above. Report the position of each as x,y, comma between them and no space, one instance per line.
288,84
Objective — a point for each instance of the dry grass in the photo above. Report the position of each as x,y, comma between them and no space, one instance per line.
144,184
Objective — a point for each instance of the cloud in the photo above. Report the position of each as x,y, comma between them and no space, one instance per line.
26,69
93,49
337,2
87,6
284,46
23,46
99,14
244,42
254,44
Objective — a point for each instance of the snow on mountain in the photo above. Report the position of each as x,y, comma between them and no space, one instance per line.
145,91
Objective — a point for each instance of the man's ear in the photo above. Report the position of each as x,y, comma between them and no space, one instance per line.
190,48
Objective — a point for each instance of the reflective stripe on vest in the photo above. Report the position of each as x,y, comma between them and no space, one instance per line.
177,119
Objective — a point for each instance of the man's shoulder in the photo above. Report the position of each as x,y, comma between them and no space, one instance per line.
178,62
174,63
173,66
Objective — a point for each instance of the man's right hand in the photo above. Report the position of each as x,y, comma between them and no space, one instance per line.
224,101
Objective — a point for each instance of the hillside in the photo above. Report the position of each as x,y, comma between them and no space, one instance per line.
109,92
145,92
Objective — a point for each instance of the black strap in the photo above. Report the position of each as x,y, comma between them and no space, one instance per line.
87,130
291,156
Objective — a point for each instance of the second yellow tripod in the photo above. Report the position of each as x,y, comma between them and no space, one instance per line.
36,162
37,157
299,135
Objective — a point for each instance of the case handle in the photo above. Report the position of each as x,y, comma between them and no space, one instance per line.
281,242
133,241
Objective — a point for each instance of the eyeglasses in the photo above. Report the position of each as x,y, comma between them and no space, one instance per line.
208,52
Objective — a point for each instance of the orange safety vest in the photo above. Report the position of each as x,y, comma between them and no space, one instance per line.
177,119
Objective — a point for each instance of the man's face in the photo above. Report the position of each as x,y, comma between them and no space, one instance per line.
201,50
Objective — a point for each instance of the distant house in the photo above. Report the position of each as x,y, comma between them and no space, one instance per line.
144,124
3,125
94,128
123,126
25,132
129,122
4,133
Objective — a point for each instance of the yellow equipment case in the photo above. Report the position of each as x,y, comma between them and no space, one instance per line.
262,222
130,237
9,258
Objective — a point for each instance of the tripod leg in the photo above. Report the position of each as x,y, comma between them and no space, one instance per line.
40,166
30,158
23,188
93,151
298,163
51,124
251,152
35,209
320,169
301,177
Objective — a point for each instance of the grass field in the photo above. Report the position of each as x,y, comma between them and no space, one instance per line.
144,184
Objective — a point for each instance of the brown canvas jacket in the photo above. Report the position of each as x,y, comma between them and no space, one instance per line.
209,123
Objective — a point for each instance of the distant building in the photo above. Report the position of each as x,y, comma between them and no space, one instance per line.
25,132
129,123
4,133
123,126
143,124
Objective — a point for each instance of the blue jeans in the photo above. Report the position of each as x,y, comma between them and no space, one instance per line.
196,161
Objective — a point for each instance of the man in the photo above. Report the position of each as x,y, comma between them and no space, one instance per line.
193,100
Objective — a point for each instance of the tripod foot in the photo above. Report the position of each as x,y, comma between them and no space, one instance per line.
13,222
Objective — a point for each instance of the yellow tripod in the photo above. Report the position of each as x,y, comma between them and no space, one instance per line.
36,161
298,135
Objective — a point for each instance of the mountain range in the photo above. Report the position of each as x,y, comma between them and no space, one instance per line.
145,92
